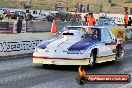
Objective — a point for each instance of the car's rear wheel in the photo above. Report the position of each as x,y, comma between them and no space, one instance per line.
92,59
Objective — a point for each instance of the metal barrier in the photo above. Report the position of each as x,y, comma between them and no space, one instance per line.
23,43
11,26
44,26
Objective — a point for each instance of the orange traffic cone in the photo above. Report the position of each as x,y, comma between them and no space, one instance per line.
53,28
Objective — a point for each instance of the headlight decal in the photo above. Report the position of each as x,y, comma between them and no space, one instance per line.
44,44
76,52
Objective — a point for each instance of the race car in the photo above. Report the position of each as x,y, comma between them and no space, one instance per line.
79,45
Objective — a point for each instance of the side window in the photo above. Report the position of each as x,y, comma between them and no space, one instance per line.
105,36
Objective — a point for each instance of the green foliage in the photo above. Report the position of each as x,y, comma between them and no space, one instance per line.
109,1
127,1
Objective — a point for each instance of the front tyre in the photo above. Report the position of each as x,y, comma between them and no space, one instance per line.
118,52
92,59
45,65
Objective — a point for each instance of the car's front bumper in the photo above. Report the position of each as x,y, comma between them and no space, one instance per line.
60,58
60,61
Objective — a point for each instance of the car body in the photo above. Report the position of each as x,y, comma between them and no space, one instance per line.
79,45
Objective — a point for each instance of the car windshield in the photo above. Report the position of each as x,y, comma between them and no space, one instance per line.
87,32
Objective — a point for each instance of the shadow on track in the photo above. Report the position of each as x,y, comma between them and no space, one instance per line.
75,68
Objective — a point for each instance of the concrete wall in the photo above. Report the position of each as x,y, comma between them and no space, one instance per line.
15,47
14,44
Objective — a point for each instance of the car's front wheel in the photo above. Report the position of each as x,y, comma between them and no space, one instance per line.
45,65
92,59
118,52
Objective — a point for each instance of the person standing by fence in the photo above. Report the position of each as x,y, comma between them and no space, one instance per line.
126,19
29,17
19,23
129,21
81,8
90,19
77,7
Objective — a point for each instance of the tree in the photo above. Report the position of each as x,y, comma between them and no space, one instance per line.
109,1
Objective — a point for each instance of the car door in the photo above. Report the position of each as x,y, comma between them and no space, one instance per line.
108,42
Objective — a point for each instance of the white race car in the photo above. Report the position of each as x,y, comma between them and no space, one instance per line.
79,45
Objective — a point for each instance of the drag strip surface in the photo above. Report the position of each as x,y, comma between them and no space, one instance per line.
21,73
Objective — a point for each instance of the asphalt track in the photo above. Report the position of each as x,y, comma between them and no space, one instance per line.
20,72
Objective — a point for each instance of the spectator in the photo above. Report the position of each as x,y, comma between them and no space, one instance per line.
67,8
81,7
69,16
24,15
90,19
29,17
5,16
34,12
1,17
19,23
86,17
40,12
126,19
77,7
129,21
74,21
84,7
50,17
56,5
87,7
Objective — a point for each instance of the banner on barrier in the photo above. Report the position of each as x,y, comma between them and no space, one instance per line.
17,47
